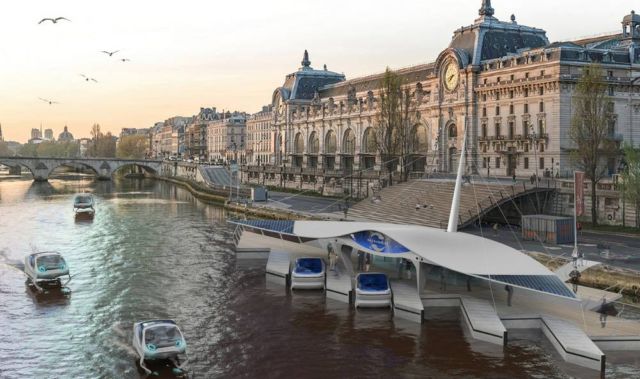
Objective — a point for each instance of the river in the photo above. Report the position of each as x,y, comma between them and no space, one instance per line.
155,251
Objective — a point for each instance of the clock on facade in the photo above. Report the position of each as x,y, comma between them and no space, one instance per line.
451,76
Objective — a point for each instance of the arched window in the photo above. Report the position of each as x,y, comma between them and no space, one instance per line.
314,143
299,144
369,145
349,143
330,143
453,131
420,139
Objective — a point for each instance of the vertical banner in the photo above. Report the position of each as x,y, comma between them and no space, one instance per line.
579,192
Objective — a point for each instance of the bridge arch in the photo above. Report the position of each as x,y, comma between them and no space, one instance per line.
18,164
73,164
145,168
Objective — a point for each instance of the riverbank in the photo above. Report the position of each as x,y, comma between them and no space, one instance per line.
204,193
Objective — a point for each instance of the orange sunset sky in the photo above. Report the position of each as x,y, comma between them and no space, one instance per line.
228,54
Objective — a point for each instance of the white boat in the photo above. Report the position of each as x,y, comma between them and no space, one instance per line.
83,203
373,290
308,273
158,340
46,269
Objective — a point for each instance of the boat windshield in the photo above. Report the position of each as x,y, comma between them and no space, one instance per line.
51,262
373,282
163,336
308,266
83,199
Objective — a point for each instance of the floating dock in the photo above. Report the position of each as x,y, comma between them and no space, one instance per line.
278,267
406,302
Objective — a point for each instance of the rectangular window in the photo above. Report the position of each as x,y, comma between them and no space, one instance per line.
526,163
484,97
511,109
498,96
526,148
542,163
526,92
526,75
526,108
542,147
541,107
541,72
497,130
512,78
498,79
497,162
510,94
610,74
484,112
497,111
484,162
541,91
611,93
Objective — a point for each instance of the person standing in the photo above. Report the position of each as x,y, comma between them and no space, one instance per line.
333,257
360,260
580,258
509,290
367,262
407,266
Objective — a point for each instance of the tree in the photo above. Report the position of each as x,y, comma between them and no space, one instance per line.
102,145
393,134
590,131
631,179
4,149
134,146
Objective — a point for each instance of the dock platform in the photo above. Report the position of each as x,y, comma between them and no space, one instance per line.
406,302
339,284
479,316
278,267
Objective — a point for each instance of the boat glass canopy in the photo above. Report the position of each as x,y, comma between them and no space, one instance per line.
308,266
373,282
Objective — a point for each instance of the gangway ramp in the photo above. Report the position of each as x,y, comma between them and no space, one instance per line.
479,316
406,302
278,267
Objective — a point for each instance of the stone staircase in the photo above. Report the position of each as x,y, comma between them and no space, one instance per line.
398,204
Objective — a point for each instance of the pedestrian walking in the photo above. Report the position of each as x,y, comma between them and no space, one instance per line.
367,262
603,312
333,257
574,277
509,290
574,257
580,258
360,260
407,266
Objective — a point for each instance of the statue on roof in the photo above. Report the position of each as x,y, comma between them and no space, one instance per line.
486,9
305,59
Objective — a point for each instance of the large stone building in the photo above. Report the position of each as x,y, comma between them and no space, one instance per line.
260,137
195,135
226,138
503,83
65,136
170,136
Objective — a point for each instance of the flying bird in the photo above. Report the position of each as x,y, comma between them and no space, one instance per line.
54,20
49,101
110,53
86,78
125,60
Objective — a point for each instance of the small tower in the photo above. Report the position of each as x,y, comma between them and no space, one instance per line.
486,9
305,61
631,26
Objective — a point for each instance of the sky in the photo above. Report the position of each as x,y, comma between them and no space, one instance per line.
229,54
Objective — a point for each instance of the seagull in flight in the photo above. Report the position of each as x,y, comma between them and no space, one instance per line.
110,53
86,78
49,101
54,20
125,59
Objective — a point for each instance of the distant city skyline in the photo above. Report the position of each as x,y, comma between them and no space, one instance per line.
229,55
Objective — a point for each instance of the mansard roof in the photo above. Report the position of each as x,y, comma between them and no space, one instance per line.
303,84
411,74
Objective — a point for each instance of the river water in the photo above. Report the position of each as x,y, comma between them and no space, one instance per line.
154,251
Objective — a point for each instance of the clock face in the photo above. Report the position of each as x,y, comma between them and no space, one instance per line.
451,76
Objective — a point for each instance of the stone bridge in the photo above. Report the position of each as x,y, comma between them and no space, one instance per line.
104,168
